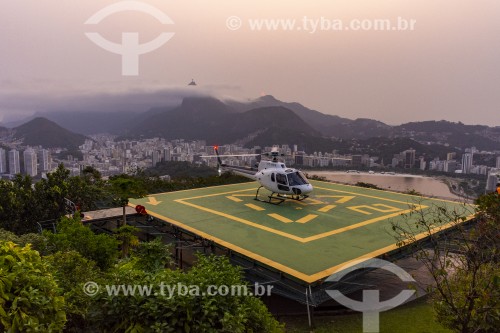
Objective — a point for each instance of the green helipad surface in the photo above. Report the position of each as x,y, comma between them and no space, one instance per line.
309,240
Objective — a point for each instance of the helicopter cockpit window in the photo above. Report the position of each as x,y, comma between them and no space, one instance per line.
296,178
282,166
272,177
281,179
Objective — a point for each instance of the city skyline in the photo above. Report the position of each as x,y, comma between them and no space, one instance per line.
115,157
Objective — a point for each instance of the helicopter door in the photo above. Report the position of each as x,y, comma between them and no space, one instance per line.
282,182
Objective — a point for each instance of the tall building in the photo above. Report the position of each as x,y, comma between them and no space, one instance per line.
44,159
409,156
155,158
397,160
3,161
299,158
450,156
492,180
356,161
167,154
467,162
30,162
422,163
450,165
14,163
498,162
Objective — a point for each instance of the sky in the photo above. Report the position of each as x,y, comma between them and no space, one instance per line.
446,67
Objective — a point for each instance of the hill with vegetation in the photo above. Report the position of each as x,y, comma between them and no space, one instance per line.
48,134
452,134
328,125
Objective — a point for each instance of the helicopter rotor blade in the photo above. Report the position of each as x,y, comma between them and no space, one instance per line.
240,155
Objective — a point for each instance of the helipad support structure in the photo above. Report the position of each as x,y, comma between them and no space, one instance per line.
307,240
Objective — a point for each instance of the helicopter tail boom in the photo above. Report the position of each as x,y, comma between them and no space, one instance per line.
242,171
219,161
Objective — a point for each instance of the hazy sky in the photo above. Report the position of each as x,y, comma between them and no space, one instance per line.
448,67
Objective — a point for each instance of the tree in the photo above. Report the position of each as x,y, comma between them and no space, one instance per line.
463,262
19,208
153,256
29,298
127,238
23,204
73,235
122,188
51,194
87,189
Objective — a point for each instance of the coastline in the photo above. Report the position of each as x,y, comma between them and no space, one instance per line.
438,187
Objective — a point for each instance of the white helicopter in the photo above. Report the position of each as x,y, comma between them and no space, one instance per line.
283,182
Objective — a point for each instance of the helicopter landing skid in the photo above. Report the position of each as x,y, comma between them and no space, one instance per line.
279,198
299,197
271,198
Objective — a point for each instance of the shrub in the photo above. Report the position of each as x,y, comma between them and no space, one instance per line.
29,298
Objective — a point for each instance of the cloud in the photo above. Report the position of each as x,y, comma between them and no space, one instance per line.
22,104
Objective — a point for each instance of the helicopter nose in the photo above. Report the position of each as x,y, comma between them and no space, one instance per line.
306,188
302,189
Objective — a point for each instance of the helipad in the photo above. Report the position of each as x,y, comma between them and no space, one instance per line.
308,239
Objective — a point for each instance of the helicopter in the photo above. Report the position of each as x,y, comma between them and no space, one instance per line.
283,182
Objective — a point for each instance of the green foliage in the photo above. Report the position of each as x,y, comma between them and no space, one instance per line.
154,184
71,271
485,316
463,263
87,189
413,317
182,313
316,177
123,187
36,241
367,185
127,238
180,170
29,296
19,208
23,205
71,268
8,236
412,192
51,192
153,256
488,208
73,235
486,234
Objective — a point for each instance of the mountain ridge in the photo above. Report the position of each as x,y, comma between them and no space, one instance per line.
230,121
328,125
